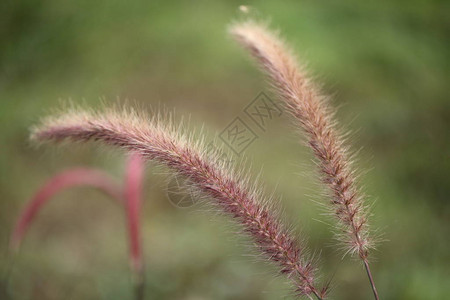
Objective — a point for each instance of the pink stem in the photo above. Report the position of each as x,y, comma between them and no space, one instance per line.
372,282
133,190
69,178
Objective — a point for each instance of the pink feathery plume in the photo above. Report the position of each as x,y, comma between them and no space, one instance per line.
154,140
66,179
311,113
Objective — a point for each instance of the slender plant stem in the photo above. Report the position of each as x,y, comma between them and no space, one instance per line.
317,296
139,286
372,282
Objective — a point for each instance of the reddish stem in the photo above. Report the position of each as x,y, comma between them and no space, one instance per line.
133,189
69,178
372,282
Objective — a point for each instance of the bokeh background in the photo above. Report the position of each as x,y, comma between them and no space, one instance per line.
386,64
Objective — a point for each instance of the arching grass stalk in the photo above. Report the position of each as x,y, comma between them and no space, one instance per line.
156,140
311,114
129,198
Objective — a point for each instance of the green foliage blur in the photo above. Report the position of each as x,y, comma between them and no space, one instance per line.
386,64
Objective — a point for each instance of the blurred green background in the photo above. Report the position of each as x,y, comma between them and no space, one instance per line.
386,64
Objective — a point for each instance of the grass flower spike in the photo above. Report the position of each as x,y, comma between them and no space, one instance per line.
311,113
154,140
